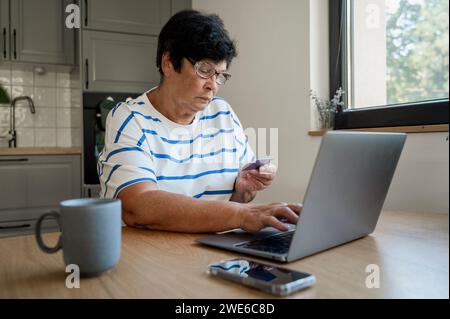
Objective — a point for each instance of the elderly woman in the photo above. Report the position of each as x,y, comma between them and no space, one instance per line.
176,155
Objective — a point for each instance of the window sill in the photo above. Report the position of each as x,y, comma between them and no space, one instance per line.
399,129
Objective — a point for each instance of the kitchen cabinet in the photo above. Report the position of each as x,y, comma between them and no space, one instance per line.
119,43
31,185
133,16
34,31
26,227
116,62
4,29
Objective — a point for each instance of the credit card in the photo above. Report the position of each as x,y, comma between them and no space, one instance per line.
257,164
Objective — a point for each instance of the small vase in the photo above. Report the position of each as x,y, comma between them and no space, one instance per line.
326,120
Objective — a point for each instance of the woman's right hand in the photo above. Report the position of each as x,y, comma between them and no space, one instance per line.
255,217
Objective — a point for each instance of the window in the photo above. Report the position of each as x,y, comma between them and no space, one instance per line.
392,59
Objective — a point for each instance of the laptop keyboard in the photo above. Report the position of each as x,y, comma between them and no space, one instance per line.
278,244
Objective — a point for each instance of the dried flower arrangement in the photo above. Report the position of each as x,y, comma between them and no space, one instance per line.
327,109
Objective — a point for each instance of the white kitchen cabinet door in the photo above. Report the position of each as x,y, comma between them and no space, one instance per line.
38,33
116,62
31,185
4,30
145,17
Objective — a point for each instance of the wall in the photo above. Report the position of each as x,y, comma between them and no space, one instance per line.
420,183
271,81
282,55
319,47
57,98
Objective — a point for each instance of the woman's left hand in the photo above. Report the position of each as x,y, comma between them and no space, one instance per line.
252,181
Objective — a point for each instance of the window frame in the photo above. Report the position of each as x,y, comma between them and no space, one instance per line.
408,114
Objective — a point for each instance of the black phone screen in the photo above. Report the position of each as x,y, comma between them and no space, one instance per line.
268,273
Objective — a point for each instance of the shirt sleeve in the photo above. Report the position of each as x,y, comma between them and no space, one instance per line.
244,149
125,159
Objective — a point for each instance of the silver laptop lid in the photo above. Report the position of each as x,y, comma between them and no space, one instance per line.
347,189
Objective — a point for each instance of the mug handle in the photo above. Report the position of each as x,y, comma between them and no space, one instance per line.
40,242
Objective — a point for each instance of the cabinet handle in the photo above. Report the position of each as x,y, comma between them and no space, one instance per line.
15,227
15,43
85,13
13,160
4,43
87,74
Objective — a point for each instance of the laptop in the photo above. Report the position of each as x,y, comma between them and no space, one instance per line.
343,201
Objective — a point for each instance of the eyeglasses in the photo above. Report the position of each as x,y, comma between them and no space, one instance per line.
206,70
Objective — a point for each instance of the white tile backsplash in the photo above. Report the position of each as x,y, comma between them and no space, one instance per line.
19,90
4,117
45,117
63,117
25,137
63,80
63,137
75,118
47,78
24,117
3,140
76,97
45,137
76,137
5,75
56,93
64,97
23,76
44,97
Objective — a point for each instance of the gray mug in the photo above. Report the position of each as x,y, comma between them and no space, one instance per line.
91,232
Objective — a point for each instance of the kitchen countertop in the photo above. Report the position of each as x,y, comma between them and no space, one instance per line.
23,151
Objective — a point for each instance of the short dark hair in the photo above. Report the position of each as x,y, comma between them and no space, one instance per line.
195,35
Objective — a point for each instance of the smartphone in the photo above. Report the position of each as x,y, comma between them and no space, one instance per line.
275,280
257,164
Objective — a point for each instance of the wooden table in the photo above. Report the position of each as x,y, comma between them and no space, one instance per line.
411,249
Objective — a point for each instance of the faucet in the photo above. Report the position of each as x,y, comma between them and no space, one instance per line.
12,143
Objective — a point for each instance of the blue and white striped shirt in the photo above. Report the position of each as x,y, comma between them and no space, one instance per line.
200,160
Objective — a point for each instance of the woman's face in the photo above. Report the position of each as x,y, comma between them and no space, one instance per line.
191,92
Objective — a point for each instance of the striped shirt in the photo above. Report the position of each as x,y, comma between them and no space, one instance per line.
200,160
